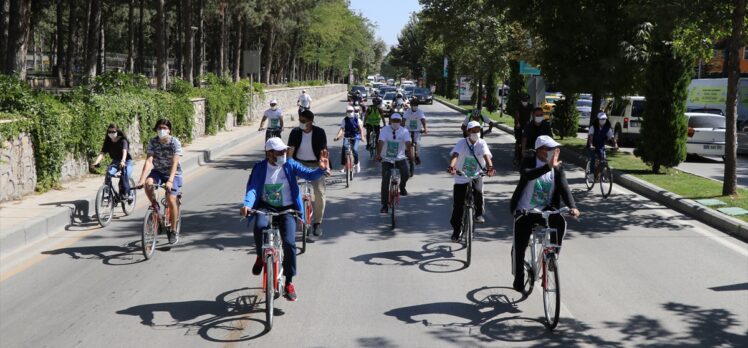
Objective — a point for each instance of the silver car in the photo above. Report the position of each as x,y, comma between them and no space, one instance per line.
584,106
706,134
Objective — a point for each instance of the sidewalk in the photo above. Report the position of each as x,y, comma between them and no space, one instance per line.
39,216
685,206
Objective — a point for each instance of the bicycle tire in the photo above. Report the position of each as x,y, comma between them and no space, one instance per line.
305,225
347,174
393,203
606,181
351,165
178,229
529,279
551,291
149,233
269,290
128,208
467,231
104,205
589,176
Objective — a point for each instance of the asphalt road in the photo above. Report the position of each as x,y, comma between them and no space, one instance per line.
633,273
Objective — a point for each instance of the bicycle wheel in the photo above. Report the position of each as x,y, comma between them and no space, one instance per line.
589,176
149,233
305,225
467,233
606,180
393,203
551,291
178,227
128,208
529,279
269,290
351,165
347,172
104,205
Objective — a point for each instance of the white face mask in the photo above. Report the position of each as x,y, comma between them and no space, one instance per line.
163,133
414,108
280,160
274,107
524,103
539,119
112,135
349,114
474,137
395,126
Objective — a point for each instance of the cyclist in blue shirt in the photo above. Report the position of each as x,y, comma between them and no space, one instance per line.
600,131
351,127
272,186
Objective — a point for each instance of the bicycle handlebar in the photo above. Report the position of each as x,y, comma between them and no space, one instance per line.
271,213
482,173
547,213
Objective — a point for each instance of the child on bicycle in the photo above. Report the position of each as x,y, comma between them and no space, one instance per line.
164,152
598,134
471,156
118,148
272,185
542,185
351,127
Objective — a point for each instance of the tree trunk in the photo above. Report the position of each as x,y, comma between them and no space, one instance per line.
162,65
189,41
4,9
140,68
729,186
200,54
239,24
178,31
130,63
101,63
92,39
72,43
60,41
479,97
18,37
269,53
222,39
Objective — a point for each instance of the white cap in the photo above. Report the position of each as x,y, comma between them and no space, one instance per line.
357,108
473,124
273,101
395,116
349,108
275,144
303,91
545,141
602,116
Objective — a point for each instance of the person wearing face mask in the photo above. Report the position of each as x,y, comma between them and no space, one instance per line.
537,127
521,119
542,185
351,128
272,186
164,152
373,122
398,102
275,121
470,156
357,113
304,102
412,117
477,115
393,149
118,148
306,143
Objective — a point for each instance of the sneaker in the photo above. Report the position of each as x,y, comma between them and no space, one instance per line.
357,167
384,209
479,219
290,292
403,191
172,237
316,230
257,267
456,236
342,171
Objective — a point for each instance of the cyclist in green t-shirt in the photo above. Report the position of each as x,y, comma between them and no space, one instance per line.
373,122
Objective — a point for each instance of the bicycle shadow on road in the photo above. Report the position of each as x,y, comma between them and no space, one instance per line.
229,318
112,255
436,257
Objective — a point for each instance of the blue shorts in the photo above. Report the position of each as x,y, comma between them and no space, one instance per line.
159,178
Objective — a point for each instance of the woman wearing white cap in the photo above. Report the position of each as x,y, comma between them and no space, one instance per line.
272,186
596,139
275,121
471,156
542,185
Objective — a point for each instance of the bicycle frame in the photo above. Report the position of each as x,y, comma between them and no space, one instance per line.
394,185
349,152
540,241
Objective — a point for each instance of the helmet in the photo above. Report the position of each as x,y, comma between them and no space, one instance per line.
399,94
349,108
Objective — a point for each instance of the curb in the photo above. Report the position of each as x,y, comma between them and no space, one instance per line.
676,202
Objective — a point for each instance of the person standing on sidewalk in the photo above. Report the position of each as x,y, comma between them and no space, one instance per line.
118,148
164,152
305,144
537,127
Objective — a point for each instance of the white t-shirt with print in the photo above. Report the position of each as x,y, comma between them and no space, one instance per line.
276,191
394,147
305,100
465,160
538,192
413,119
274,117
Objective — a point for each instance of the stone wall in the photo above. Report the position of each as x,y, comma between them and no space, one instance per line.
17,168
287,98
198,127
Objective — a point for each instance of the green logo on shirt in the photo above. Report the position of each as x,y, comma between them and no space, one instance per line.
393,147
273,194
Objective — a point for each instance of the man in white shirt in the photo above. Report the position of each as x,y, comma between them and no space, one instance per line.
274,116
478,116
471,156
304,102
414,119
393,149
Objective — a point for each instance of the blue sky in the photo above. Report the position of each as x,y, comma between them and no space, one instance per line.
390,16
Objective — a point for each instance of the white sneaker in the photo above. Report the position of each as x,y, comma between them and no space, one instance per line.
342,170
357,167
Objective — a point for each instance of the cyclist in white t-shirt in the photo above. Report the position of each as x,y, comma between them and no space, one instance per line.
413,116
471,156
274,116
393,149
304,102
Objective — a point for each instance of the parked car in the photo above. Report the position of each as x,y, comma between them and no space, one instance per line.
743,139
706,134
705,110
584,106
387,100
424,96
408,91
550,102
361,89
626,116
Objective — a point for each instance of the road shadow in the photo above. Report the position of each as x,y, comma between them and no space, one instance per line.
435,257
231,317
112,255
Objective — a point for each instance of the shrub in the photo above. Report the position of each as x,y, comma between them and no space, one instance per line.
566,117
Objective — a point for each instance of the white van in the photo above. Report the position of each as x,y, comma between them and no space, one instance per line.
625,116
